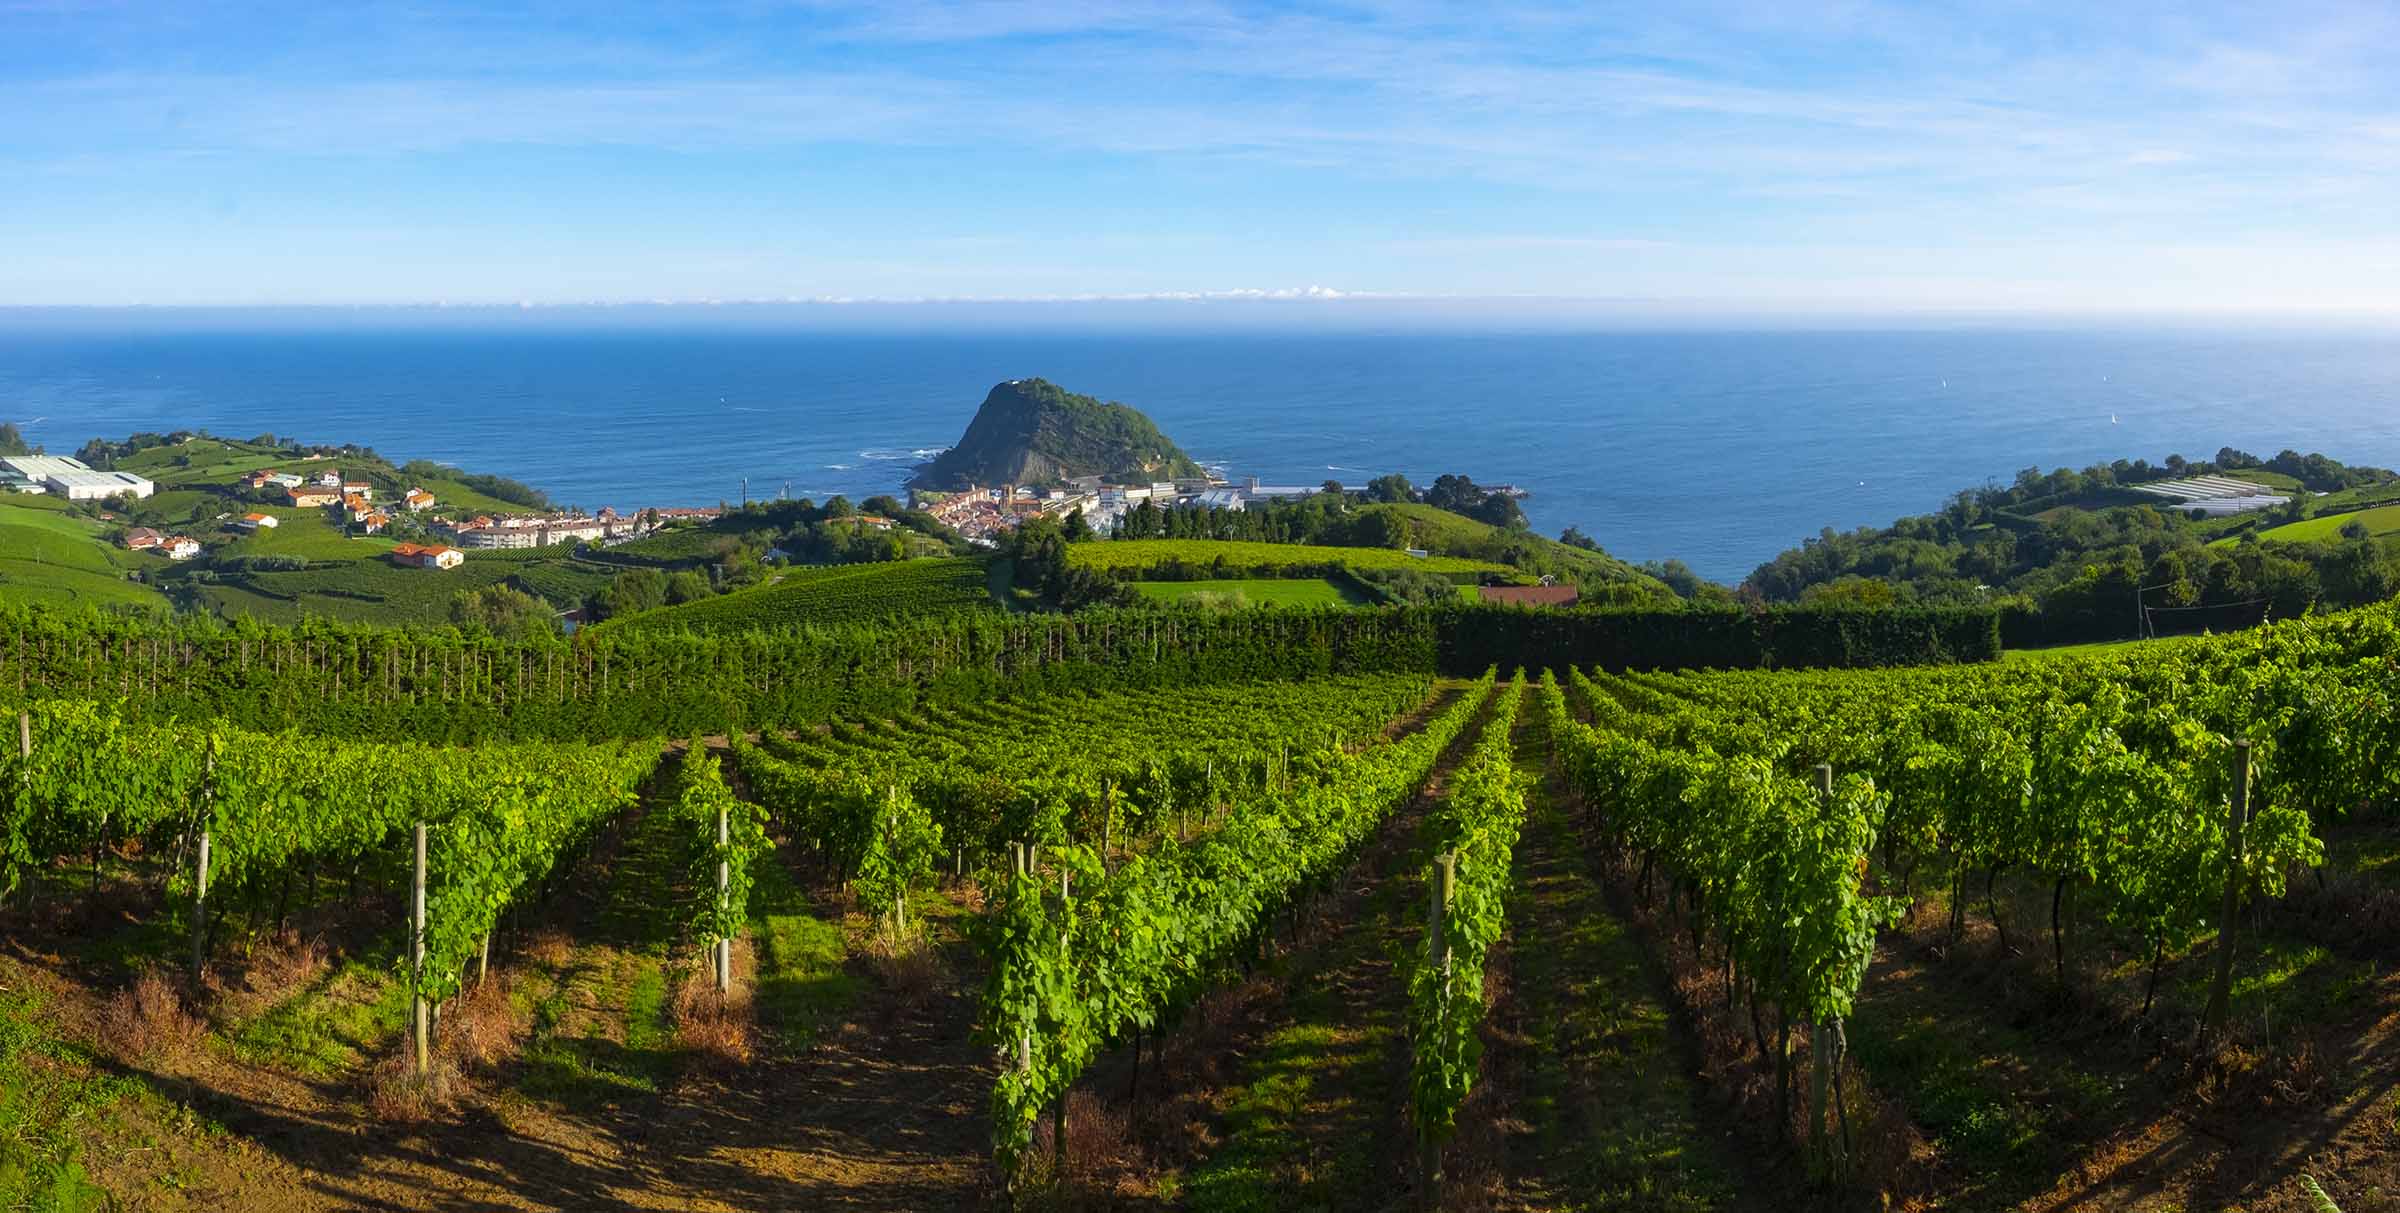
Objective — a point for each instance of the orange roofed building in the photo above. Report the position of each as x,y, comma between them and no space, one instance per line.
422,556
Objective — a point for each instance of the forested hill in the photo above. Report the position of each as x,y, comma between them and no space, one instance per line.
1032,431
2077,546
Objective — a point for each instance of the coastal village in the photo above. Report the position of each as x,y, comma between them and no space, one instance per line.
980,513
351,504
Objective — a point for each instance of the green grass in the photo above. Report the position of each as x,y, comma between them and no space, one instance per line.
1253,592
45,1105
829,595
1613,1110
563,583
334,1025
46,513
802,984
186,510
360,592
1135,554
43,545
307,533
26,581
2381,521
588,1069
2074,651
1444,533
671,548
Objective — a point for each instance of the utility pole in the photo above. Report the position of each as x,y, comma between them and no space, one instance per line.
745,490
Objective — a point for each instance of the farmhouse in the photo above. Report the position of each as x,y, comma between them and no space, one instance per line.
330,478
375,521
180,547
252,522
142,539
311,495
417,499
428,557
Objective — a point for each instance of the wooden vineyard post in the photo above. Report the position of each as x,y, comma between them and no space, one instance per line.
208,796
1820,1037
2220,992
724,944
1020,862
200,909
1437,954
1058,1111
25,777
420,1029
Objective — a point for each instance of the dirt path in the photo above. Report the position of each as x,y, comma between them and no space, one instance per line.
1285,1089
874,1102
1588,1098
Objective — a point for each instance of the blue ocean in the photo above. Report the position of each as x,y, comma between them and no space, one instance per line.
1719,448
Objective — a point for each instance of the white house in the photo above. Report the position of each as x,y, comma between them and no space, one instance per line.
180,547
330,478
433,557
417,499
252,522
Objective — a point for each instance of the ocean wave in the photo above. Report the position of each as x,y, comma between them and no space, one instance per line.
841,467
889,456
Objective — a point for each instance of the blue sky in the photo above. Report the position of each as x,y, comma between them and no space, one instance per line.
2085,157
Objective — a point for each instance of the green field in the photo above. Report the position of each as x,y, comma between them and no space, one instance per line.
309,534
1136,554
682,545
363,592
562,582
836,594
2381,521
49,556
27,581
1253,592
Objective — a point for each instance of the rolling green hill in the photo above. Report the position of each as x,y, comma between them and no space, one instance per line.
1032,431
1135,555
1446,534
838,594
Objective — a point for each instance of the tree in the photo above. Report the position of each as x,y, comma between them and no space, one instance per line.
505,612
738,567
1500,510
632,590
1380,529
1076,529
688,585
1575,538
1331,488
1393,488
1456,494
12,440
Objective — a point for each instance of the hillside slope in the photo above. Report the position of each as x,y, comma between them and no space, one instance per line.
1443,533
1032,431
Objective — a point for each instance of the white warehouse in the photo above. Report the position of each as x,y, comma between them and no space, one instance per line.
73,480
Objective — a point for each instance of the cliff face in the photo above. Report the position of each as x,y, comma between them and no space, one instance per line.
1031,431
